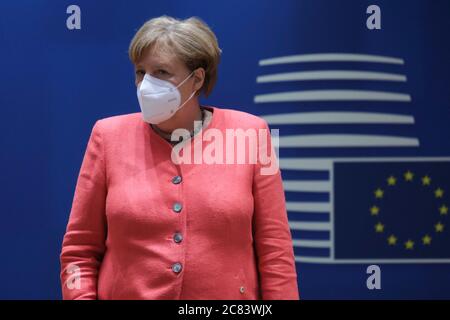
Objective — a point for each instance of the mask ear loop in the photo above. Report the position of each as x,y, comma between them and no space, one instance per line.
187,99
181,83
192,92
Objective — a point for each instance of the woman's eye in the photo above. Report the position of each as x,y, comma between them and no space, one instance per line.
162,72
140,72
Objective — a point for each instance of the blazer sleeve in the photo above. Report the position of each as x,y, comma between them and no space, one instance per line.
271,232
83,244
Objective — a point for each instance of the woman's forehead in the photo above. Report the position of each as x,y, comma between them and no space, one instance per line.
157,58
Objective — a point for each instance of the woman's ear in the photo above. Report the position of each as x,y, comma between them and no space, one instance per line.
199,78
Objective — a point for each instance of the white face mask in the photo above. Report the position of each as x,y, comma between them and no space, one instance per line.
159,99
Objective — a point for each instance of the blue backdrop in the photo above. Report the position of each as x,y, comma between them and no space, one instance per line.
363,103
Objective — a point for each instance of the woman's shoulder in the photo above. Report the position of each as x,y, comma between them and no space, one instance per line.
121,119
118,122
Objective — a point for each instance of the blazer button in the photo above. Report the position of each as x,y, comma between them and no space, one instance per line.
177,237
177,207
176,180
176,267
242,289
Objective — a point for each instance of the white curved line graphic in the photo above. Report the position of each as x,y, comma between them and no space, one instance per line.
300,206
346,140
327,57
331,75
312,243
311,226
332,95
307,186
313,164
338,117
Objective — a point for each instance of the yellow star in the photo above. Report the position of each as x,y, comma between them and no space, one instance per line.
443,210
374,210
391,181
392,240
438,193
426,180
426,240
379,227
439,227
409,245
409,175
379,193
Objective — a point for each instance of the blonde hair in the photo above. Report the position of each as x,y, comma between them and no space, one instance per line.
191,40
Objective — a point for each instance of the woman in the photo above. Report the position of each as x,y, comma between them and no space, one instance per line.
143,226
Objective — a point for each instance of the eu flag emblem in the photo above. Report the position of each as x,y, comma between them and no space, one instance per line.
392,211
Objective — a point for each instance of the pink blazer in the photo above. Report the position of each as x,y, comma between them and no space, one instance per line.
143,227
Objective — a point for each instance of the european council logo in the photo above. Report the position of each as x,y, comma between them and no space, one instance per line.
335,112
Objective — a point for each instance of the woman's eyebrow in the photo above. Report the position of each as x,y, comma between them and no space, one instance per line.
156,66
161,65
